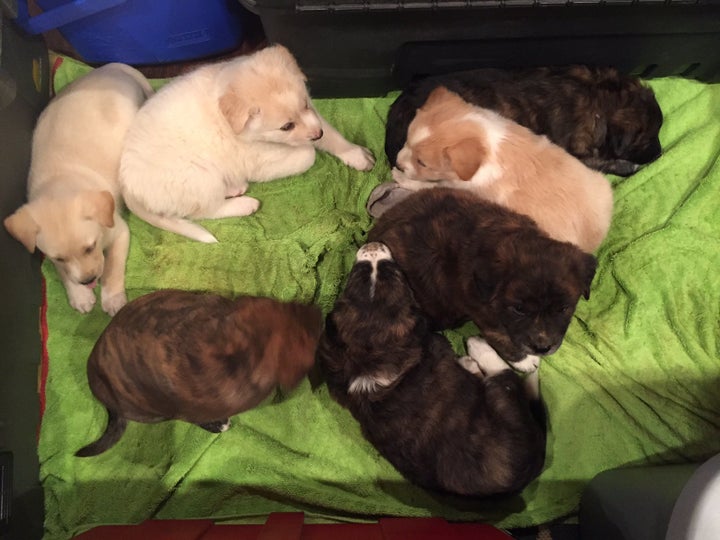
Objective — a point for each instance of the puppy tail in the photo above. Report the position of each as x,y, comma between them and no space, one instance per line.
179,226
114,430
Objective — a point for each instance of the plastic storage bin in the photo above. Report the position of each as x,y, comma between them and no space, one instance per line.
142,32
367,47
24,91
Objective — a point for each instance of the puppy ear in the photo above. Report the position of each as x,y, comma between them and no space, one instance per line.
599,133
491,269
288,60
465,157
621,131
99,206
283,51
23,227
236,111
437,96
588,265
620,140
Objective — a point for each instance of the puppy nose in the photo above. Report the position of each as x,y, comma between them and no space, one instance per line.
542,344
88,281
318,136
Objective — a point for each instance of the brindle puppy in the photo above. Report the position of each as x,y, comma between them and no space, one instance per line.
607,120
469,259
197,357
442,427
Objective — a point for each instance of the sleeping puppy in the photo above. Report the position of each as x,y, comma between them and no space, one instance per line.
607,120
195,146
442,427
197,357
455,144
469,259
72,214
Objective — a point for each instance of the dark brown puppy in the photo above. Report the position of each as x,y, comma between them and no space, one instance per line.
607,120
197,357
469,259
441,426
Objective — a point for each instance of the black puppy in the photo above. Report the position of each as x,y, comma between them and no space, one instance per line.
607,120
469,259
441,426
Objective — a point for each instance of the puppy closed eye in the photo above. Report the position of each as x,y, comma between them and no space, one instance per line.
563,309
288,127
420,162
59,259
89,249
518,309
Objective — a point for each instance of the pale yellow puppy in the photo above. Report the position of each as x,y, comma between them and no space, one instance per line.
452,143
196,145
73,194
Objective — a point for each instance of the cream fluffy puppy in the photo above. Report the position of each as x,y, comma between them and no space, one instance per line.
452,143
73,194
197,143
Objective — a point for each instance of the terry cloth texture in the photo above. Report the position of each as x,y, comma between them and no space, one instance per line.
635,382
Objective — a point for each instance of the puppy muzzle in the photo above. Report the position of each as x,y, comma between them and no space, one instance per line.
89,281
543,349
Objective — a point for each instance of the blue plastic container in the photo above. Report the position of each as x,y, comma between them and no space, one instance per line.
142,31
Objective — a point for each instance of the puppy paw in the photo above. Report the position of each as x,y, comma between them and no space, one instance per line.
485,356
399,176
111,303
407,182
621,167
81,298
248,205
468,364
384,197
219,426
236,207
358,157
527,365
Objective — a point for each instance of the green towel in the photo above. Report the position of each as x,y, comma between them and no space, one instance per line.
635,382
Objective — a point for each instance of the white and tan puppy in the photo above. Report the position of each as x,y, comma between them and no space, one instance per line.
452,143
73,194
197,143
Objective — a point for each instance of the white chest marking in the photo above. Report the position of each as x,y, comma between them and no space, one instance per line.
367,384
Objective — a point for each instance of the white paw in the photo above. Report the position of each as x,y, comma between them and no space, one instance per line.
408,182
246,205
399,176
111,303
373,252
467,363
368,384
485,356
527,365
236,207
224,427
358,157
81,298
